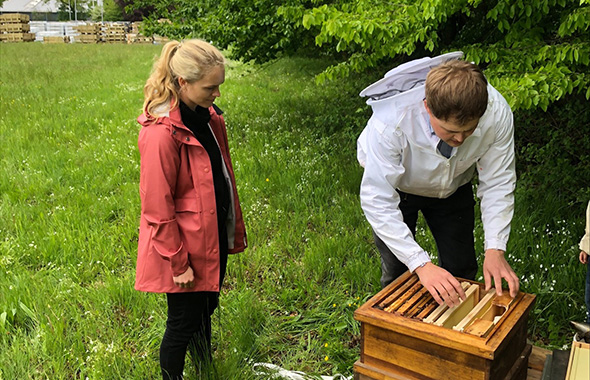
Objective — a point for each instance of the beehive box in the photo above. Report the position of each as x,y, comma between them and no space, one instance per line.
406,335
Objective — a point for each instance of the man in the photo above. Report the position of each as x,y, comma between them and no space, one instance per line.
435,122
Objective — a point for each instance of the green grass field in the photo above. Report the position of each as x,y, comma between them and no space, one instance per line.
69,208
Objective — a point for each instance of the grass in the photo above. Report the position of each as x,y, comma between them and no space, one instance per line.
69,210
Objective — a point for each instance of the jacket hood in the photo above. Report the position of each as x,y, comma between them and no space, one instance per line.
170,116
405,77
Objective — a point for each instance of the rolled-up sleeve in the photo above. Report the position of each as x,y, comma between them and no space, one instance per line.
160,161
497,181
381,150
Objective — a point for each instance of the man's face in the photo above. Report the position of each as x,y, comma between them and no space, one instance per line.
450,131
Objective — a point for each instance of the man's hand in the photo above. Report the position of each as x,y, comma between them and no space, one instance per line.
441,284
583,257
185,280
497,268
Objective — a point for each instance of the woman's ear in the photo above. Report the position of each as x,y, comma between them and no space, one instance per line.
181,82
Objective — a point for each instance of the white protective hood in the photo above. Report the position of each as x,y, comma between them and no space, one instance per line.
405,77
385,94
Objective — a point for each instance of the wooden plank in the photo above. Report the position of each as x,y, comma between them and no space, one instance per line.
480,327
441,309
481,308
412,301
427,310
393,352
536,363
537,358
402,289
578,367
424,301
454,315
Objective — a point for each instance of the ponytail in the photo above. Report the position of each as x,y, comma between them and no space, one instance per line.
190,60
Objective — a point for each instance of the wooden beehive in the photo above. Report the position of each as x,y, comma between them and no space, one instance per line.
406,335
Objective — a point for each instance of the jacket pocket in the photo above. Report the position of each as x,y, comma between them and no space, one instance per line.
189,216
187,205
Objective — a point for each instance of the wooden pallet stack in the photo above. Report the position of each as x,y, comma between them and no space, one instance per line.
89,33
136,36
14,27
115,33
56,39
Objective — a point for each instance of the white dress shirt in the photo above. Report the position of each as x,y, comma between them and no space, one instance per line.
399,151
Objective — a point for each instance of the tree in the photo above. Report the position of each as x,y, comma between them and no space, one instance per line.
535,52
73,9
253,29
109,10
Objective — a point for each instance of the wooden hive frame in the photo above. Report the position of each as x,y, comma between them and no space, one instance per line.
396,346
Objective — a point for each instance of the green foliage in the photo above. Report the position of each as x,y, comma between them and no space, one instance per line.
69,208
109,11
252,29
553,156
534,52
70,10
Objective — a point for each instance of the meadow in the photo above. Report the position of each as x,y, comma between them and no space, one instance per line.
69,208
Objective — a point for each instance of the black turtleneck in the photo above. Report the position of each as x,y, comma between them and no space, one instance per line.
198,122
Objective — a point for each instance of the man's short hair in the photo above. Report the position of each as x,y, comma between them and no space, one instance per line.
456,91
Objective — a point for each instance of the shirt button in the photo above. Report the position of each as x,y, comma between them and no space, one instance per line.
212,211
215,251
206,170
188,139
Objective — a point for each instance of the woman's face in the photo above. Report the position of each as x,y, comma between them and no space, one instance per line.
204,91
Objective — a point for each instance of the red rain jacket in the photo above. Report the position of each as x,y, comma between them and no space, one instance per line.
178,225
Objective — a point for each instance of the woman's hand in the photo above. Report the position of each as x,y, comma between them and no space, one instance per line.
185,280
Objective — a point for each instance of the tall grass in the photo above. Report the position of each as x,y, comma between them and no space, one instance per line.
69,210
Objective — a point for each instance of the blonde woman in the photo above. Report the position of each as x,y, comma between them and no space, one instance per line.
190,214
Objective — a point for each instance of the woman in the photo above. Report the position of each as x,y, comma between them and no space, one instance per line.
190,214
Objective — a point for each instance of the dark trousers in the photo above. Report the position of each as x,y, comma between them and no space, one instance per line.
587,293
451,221
188,326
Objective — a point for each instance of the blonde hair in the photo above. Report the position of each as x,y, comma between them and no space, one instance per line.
190,60
456,91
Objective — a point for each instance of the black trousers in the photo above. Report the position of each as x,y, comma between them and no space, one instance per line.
451,221
189,327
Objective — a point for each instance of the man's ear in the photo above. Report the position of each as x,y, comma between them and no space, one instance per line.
426,106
